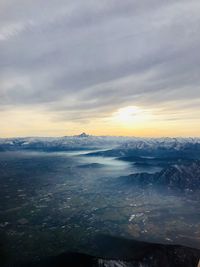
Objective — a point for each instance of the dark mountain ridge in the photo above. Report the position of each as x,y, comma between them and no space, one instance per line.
119,252
178,176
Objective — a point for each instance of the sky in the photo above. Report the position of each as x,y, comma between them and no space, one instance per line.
106,67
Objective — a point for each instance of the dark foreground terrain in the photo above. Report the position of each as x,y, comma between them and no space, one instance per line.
57,195
118,252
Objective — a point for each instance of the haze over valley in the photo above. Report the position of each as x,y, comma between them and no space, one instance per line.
64,192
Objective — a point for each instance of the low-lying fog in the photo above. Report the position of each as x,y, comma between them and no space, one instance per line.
54,202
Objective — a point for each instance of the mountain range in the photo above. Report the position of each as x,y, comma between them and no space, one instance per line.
178,176
115,145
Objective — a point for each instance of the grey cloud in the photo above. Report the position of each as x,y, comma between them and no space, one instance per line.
92,57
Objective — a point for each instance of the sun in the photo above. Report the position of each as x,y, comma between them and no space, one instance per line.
127,114
131,117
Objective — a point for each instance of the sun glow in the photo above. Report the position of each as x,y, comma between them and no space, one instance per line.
127,114
130,115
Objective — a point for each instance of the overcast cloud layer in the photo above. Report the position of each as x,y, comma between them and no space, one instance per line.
85,59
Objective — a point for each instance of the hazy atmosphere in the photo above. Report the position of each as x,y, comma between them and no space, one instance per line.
99,133
104,67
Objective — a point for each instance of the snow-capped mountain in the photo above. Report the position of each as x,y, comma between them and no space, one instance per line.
163,143
82,141
121,146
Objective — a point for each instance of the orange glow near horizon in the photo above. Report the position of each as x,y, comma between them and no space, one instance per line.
126,121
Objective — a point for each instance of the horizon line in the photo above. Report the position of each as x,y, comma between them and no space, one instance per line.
92,135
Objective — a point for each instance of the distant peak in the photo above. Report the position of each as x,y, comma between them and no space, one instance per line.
82,135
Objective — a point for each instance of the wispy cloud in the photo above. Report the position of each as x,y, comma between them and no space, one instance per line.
81,59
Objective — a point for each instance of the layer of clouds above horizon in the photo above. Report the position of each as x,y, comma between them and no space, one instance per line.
67,65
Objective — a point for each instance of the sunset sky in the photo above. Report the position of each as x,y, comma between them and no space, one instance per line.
103,67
